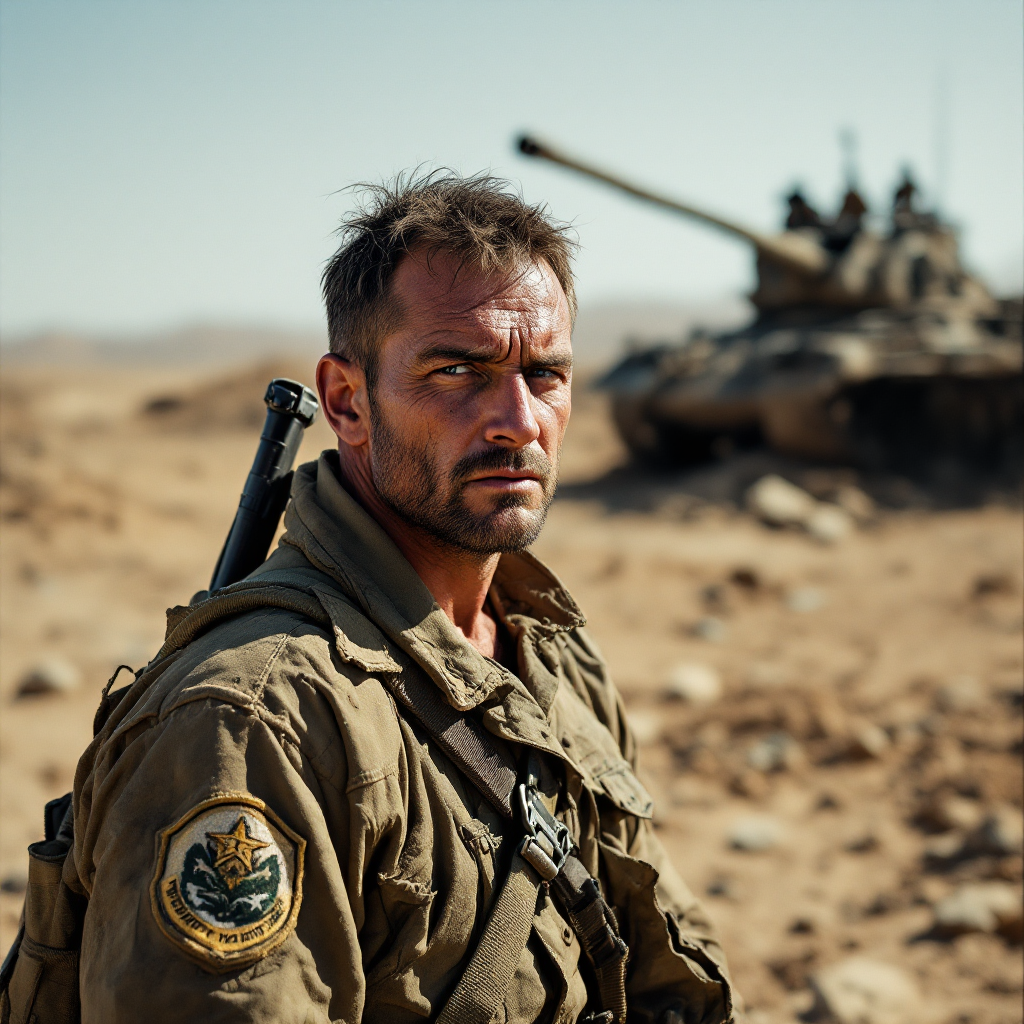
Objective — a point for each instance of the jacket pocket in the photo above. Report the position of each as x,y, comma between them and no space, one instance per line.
44,982
407,906
665,972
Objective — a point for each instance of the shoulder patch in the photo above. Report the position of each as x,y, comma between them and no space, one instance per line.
228,881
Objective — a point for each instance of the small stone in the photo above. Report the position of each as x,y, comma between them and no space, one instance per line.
723,887
780,503
805,599
829,524
756,832
862,991
709,628
16,882
53,675
749,783
776,752
646,726
942,849
979,907
695,683
1001,833
869,741
964,693
946,812
856,502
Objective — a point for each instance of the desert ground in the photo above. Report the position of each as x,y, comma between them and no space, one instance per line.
832,732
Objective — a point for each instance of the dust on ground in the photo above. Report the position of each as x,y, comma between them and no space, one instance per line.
868,731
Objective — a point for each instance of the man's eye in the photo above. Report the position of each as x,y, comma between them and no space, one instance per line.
451,371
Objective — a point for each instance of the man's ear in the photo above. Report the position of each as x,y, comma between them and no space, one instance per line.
343,398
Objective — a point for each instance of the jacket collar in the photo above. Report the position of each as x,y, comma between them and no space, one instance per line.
339,537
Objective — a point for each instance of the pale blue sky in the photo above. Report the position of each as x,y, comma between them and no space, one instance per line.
167,162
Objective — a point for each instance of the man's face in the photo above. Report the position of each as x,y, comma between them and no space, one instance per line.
470,402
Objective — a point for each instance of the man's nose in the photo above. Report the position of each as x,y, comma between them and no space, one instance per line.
510,418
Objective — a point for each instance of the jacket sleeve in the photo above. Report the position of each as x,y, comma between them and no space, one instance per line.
147,957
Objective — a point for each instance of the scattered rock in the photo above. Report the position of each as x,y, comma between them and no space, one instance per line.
1001,834
780,503
776,752
980,907
862,991
805,599
749,783
54,675
756,832
829,524
792,971
723,887
994,583
745,577
964,693
945,812
854,501
943,849
646,726
710,628
16,882
694,683
868,741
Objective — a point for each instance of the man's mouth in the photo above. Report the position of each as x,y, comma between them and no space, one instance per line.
511,480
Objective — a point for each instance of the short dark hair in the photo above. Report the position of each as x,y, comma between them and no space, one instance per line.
481,220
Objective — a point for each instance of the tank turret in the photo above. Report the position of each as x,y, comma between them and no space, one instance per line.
871,346
825,264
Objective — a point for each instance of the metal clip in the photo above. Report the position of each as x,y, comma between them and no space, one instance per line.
547,842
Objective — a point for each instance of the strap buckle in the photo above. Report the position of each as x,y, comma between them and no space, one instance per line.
548,842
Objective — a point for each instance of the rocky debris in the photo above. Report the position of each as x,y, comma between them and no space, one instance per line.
646,726
805,599
980,907
1001,834
710,628
50,676
723,887
777,752
780,503
16,882
854,501
868,741
863,991
944,812
829,524
756,832
991,583
777,502
964,693
694,683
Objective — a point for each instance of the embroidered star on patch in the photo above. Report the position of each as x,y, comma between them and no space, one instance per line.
228,881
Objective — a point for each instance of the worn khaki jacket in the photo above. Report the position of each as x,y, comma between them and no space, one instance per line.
275,737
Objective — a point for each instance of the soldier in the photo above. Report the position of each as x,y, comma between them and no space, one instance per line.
377,780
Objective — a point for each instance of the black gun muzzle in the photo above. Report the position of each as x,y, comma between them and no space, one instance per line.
291,407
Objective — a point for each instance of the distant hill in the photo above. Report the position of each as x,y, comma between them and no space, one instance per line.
602,331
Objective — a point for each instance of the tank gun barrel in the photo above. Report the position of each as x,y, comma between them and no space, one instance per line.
792,251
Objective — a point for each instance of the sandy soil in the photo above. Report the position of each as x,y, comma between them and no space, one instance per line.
886,670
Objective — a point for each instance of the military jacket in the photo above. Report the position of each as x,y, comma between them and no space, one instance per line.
264,835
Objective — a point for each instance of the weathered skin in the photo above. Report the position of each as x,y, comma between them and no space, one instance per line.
402,852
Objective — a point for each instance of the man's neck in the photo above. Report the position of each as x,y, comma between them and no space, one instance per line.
459,580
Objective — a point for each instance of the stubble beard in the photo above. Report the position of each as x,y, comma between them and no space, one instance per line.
411,485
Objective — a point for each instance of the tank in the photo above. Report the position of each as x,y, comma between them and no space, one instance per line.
870,347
